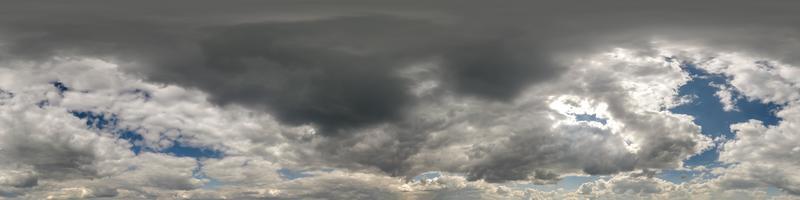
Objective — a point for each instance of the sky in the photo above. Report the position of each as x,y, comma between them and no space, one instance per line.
302,99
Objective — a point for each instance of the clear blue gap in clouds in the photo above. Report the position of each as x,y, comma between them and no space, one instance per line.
427,175
109,121
290,174
96,120
60,87
705,108
590,118
183,150
708,112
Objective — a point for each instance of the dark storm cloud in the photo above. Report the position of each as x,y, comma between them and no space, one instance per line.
337,73
342,72
495,69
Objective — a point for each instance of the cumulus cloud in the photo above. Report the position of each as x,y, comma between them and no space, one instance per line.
344,77
361,98
762,155
726,97
481,144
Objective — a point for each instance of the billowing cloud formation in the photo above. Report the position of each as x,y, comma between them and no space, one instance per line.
287,100
345,65
763,155
344,78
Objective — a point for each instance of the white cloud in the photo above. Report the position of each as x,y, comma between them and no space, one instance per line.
535,137
761,155
53,152
726,97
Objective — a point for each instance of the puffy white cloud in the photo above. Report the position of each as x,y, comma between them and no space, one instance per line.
537,136
379,112
539,132
46,152
52,142
755,77
726,97
765,154
760,155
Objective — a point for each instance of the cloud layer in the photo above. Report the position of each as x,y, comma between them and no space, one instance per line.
293,100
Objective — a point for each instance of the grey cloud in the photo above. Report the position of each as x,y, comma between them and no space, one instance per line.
338,186
10,192
337,74
539,155
497,68
312,72
502,142
19,179
341,73
764,155
53,157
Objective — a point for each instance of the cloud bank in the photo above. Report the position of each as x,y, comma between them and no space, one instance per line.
310,100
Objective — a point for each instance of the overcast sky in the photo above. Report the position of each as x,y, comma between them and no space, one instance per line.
201,99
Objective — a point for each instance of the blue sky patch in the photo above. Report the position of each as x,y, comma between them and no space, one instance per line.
60,87
97,120
134,138
708,112
182,150
590,118
290,174
427,175
103,121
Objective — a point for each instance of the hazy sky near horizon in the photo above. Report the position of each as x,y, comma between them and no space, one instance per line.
399,99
